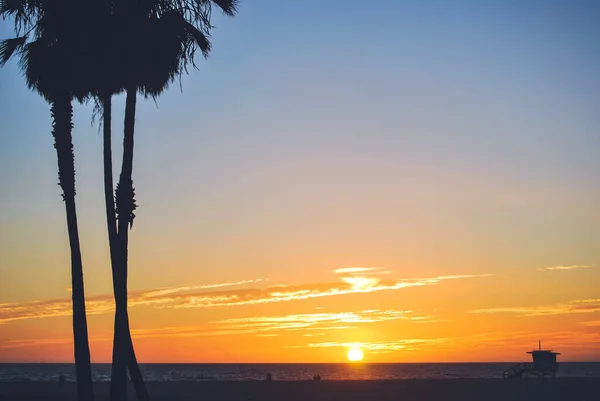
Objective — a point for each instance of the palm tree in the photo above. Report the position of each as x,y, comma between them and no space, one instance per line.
178,28
53,69
155,42
106,83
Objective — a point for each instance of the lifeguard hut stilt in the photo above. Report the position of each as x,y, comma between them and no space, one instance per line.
544,364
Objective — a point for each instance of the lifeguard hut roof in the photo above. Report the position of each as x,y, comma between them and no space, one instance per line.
541,351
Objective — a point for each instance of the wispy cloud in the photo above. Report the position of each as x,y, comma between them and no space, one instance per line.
45,341
559,268
510,340
177,290
265,326
591,323
293,322
52,308
361,278
516,340
577,306
355,270
552,340
317,321
352,281
100,304
378,346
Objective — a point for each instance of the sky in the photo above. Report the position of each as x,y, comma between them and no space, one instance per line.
419,179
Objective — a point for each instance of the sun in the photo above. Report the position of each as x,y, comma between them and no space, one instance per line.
355,354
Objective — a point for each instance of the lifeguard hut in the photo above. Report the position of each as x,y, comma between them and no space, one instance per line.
544,364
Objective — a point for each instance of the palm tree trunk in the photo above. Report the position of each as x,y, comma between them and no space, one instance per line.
123,351
118,382
62,125
134,368
111,220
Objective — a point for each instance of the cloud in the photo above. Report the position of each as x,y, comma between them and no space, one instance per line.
100,304
354,270
361,277
577,306
52,308
352,281
175,290
558,268
265,326
518,341
45,341
378,346
553,340
591,323
293,322
357,271
510,340
316,321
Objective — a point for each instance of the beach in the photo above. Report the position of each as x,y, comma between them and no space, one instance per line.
570,389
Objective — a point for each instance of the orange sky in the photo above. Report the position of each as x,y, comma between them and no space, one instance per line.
419,178
445,318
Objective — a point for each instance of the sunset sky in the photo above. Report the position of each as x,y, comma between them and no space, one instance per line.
417,178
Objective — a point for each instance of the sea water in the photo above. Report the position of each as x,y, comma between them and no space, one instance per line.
25,372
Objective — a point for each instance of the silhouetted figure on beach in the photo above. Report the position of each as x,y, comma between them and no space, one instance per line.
62,379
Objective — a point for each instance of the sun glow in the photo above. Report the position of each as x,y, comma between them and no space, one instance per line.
355,354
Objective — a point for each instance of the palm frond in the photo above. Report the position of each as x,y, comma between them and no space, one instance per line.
32,60
10,7
200,38
25,12
229,7
46,69
9,46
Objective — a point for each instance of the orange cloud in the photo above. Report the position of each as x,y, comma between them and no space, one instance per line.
566,339
379,346
352,282
577,306
265,326
557,340
45,341
354,270
293,322
52,308
559,268
317,320
511,340
175,290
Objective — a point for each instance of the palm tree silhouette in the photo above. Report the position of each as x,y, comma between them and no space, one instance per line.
155,43
57,73
117,45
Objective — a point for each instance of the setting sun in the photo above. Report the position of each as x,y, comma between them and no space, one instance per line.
355,354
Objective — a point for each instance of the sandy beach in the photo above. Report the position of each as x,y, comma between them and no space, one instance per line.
569,389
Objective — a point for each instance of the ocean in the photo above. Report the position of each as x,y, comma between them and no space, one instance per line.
25,372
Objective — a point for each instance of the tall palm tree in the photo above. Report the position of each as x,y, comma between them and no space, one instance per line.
107,81
52,67
154,43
